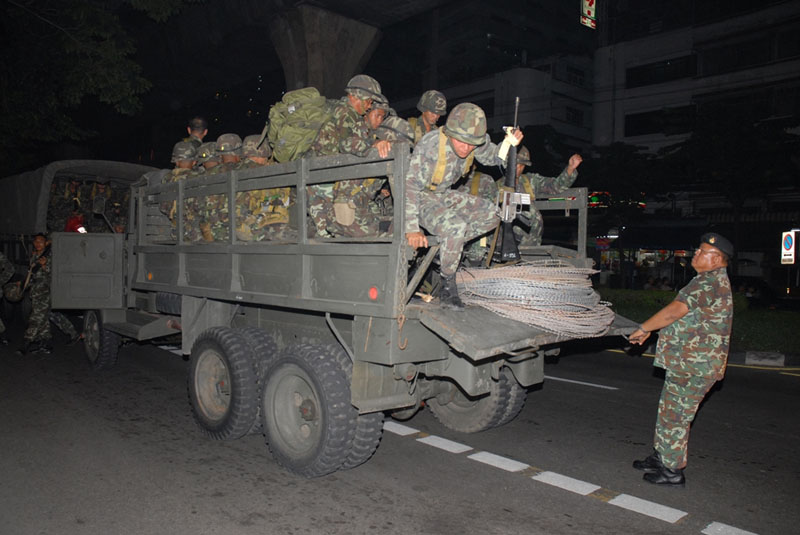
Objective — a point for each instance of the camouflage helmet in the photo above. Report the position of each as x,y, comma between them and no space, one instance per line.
13,292
363,86
207,152
229,144
467,123
253,146
433,101
523,155
382,104
393,128
183,151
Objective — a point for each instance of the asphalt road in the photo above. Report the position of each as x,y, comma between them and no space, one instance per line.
117,452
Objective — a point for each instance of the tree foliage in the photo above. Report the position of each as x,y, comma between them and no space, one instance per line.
59,54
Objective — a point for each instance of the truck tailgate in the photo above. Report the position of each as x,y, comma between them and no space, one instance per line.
480,333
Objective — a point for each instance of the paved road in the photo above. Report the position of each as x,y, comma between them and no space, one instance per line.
118,452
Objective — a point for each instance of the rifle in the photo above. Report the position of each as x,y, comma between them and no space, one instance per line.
511,204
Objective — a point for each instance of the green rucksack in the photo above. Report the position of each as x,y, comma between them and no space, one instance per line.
295,121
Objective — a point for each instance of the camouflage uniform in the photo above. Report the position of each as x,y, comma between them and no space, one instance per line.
6,271
485,187
212,211
38,329
694,352
345,133
537,185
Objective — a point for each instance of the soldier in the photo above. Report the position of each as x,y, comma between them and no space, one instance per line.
197,130
262,214
439,160
97,223
693,350
6,271
485,187
345,133
184,157
535,185
213,210
432,104
37,335
207,157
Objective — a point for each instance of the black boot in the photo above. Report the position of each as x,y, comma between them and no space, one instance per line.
666,476
448,293
652,463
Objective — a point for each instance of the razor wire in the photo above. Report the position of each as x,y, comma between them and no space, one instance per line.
550,294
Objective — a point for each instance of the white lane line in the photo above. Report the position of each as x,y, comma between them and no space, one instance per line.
595,385
718,528
638,505
399,429
567,483
444,444
503,463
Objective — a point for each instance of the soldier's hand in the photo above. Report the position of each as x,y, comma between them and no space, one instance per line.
417,239
42,260
517,133
638,337
383,147
574,161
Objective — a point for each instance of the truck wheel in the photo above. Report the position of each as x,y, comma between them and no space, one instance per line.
101,345
263,349
222,384
369,427
471,415
309,422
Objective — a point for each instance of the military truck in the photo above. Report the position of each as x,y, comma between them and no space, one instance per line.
310,341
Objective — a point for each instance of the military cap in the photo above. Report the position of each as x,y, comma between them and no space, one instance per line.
393,128
229,143
523,155
183,151
207,152
256,145
467,123
364,87
720,242
433,101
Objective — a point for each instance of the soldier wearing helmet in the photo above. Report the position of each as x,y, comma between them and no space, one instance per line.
345,133
207,157
184,156
536,186
441,158
432,105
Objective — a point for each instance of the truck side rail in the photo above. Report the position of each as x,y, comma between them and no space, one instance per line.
354,276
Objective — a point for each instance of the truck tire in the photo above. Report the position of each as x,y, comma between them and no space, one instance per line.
369,427
101,345
263,350
309,422
168,303
472,415
222,384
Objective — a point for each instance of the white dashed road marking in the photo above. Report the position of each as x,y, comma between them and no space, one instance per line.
567,483
444,444
638,505
573,381
399,429
503,463
718,528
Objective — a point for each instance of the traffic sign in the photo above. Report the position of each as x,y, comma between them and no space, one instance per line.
787,248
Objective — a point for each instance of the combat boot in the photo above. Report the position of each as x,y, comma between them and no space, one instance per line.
652,463
666,476
448,293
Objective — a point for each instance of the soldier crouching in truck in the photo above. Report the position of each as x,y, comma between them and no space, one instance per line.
439,160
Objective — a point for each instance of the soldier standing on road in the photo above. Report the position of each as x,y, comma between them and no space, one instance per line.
535,185
432,105
693,350
6,271
439,160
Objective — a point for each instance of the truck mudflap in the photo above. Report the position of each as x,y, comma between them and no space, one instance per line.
480,333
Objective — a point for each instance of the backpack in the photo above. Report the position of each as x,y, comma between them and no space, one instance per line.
295,121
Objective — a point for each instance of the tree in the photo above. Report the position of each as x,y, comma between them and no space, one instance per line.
59,54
